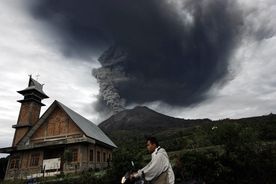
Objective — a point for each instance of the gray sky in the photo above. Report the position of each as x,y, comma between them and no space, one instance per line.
27,47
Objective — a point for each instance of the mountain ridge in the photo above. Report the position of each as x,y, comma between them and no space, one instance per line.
146,119
142,118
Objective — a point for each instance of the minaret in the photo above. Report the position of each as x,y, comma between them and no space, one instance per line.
30,109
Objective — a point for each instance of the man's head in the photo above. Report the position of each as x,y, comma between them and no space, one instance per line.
152,144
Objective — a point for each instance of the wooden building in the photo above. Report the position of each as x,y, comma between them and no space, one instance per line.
60,140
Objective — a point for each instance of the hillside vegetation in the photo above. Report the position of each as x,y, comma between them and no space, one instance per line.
201,151
225,151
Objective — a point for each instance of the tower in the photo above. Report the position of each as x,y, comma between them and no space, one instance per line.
29,110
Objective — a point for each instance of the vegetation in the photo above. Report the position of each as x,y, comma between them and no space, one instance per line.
225,151
3,165
240,155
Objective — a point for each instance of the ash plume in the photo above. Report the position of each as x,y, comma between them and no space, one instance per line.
106,76
158,50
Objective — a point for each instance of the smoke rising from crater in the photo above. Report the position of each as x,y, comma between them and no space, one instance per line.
153,50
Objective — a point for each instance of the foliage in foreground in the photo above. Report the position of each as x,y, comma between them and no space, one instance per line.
228,152
241,158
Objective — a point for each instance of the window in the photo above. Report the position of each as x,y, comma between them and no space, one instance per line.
14,163
91,156
104,157
34,159
98,156
74,155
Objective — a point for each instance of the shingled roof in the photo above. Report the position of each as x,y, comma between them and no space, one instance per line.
89,129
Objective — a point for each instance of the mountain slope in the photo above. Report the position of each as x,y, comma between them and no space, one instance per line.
130,127
147,120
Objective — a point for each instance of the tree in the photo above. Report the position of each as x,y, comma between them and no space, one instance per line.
3,167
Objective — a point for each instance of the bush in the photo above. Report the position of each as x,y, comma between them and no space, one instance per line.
243,158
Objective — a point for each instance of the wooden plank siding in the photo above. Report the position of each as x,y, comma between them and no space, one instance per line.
57,125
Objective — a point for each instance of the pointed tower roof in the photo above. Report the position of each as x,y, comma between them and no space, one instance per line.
34,86
33,92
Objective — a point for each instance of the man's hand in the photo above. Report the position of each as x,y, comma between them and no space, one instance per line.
133,175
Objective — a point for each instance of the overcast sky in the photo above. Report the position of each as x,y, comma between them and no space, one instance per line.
28,46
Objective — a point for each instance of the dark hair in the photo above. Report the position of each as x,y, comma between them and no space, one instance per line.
152,140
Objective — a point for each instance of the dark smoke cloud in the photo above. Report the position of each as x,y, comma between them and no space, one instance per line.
157,52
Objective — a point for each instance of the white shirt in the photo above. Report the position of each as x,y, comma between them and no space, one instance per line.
159,163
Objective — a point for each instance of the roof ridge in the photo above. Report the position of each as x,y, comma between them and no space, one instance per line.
98,135
86,126
73,110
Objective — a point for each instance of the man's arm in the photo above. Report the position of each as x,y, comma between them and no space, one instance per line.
154,168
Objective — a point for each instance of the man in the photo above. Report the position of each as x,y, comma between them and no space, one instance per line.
159,169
